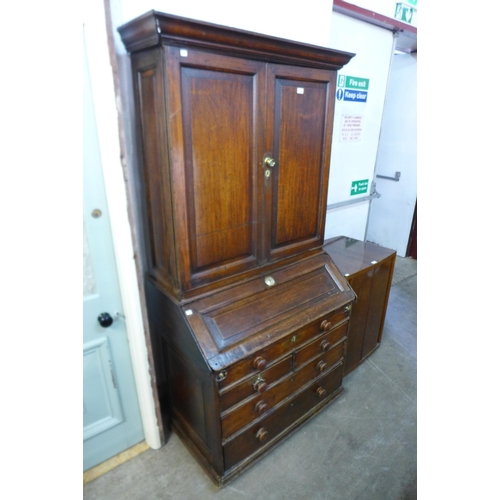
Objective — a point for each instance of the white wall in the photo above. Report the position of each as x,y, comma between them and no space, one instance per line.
356,161
392,214
304,21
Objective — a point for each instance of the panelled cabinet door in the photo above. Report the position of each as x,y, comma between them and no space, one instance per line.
298,137
214,108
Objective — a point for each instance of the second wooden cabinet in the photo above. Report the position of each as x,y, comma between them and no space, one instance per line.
368,268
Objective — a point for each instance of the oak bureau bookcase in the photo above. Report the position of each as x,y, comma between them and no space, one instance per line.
248,315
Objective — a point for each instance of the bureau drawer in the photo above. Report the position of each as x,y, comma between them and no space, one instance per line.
264,432
320,345
288,344
258,405
254,384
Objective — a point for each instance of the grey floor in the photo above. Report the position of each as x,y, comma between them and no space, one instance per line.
362,447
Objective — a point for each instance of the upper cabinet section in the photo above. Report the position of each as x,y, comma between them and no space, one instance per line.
155,28
234,134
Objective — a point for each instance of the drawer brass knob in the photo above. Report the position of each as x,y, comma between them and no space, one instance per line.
321,392
259,362
262,434
260,385
325,345
325,325
321,366
260,407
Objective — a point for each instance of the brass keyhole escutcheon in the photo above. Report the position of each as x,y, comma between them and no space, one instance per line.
267,173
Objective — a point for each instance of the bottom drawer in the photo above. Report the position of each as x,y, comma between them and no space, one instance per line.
263,433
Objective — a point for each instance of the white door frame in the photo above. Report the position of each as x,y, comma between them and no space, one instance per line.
101,76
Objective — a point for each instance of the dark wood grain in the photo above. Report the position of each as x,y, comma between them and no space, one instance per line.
287,414
236,418
321,345
246,387
155,174
298,135
261,328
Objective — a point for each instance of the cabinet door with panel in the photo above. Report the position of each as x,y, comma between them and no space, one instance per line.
299,135
215,104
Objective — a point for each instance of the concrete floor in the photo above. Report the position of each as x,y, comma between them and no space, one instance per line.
362,447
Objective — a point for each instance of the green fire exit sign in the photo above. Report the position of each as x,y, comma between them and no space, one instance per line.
353,82
404,12
359,187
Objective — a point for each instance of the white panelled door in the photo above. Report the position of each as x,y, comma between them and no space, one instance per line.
111,417
391,215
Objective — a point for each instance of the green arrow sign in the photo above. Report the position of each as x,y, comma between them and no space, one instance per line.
359,187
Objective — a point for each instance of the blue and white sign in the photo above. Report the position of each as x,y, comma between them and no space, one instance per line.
355,95
352,88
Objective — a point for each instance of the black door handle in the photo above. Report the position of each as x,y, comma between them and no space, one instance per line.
105,320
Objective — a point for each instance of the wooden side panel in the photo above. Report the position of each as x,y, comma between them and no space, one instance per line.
216,102
155,168
375,319
190,399
299,125
160,377
362,285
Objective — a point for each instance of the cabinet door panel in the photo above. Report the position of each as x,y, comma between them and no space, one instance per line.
298,136
375,318
362,285
220,101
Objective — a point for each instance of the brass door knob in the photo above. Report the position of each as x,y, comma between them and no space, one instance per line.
269,162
